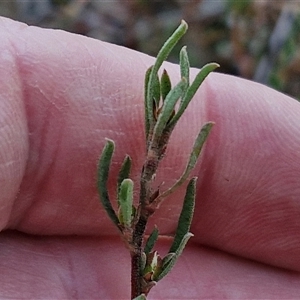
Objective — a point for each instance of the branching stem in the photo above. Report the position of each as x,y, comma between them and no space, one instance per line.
147,267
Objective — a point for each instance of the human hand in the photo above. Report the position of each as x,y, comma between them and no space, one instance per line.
61,95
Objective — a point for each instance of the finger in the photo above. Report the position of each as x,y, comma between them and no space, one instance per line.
80,92
13,130
249,188
93,268
77,92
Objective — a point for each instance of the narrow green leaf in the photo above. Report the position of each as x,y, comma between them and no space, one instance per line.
143,261
151,240
168,257
166,268
197,147
153,265
169,45
168,108
147,121
186,215
184,66
125,199
191,91
165,84
102,177
161,57
140,297
124,171
156,90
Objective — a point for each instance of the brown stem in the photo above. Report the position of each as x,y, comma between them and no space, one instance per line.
136,256
149,169
136,286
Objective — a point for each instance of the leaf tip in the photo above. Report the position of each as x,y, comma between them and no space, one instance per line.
110,141
214,65
189,235
184,23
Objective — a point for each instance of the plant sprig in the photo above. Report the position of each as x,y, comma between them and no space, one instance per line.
164,106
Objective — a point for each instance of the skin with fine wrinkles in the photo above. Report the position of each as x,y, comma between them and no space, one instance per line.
61,95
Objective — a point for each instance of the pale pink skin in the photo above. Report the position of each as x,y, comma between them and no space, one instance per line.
61,95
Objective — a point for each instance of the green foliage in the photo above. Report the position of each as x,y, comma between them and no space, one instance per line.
186,215
152,77
165,85
102,176
125,200
164,106
151,241
124,171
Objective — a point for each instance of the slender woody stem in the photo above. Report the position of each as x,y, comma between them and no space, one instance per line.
149,169
164,106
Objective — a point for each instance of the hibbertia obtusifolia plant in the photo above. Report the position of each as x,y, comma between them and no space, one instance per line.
164,106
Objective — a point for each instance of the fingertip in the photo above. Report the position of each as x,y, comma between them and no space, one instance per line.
13,126
248,173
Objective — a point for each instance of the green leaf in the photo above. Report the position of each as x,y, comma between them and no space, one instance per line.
182,232
184,66
147,113
156,90
168,257
165,84
153,265
167,109
125,199
151,240
124,171
169,45
102,177
191,91
167,266
197,147
186,215
143,261
161,57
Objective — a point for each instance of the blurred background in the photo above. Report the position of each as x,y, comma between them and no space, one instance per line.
254,39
